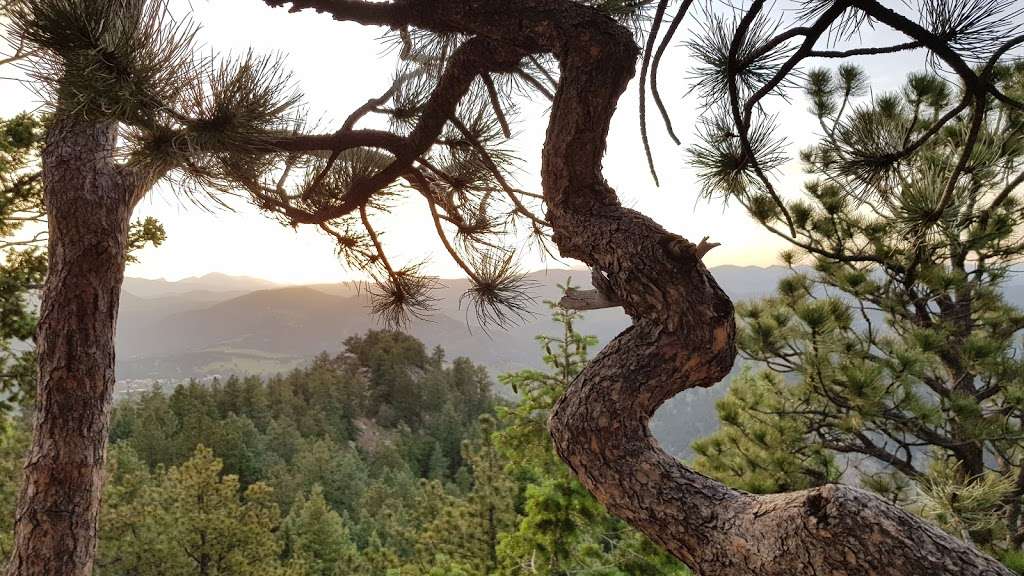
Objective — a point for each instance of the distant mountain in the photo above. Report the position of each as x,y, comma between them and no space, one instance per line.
213,313
210,283
218,325
264,331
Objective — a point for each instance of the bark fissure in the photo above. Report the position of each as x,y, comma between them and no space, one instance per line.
683,337
88,208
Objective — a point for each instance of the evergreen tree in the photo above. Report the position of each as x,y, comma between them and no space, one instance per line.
315,536
130,102
524,436
563,529
339,471
468,530
194,522
899,352
377,559
128,542
113,69
14,439
756,451
22,254
22,264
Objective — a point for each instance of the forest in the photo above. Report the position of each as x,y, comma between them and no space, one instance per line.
385,459
871,418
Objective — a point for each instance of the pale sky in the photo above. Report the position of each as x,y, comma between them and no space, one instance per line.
338,66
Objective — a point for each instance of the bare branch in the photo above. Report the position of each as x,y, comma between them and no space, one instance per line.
645,65
656,64
499,113
577,299
704,247
872,51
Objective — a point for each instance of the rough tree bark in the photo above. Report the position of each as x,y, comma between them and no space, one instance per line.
683,337
683,333
88,206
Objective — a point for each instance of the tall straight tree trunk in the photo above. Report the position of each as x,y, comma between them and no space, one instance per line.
88,209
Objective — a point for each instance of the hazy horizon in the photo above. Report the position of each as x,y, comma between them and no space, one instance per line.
242,241
577,267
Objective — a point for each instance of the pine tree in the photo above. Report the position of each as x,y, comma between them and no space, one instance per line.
129,102
126,542
461,67
22,254
14,439
563,529
22,266
524,436
756,451
468,530
315,536
899,350
199,522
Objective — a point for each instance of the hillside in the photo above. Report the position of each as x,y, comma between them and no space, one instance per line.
219,325
192,327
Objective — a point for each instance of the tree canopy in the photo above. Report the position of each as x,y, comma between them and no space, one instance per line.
894,342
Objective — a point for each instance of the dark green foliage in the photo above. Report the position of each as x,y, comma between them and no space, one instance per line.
22,262
758,452
316,536
896,357
563,529
1014,560
189,519
364,454
381,461
384,460
383,393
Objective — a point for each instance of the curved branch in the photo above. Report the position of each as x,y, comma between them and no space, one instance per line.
652,37
463,265
656,65
375,239
683,337
933,43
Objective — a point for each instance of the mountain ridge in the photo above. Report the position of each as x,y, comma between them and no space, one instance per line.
184,331
214,314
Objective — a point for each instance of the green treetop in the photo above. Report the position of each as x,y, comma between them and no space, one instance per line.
193,522
316,536
892,342
563,529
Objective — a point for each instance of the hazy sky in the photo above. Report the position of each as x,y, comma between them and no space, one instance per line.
338,66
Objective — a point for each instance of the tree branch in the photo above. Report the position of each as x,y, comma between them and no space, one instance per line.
390,14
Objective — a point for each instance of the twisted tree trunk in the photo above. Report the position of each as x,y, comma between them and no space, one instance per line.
88,210
683,337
